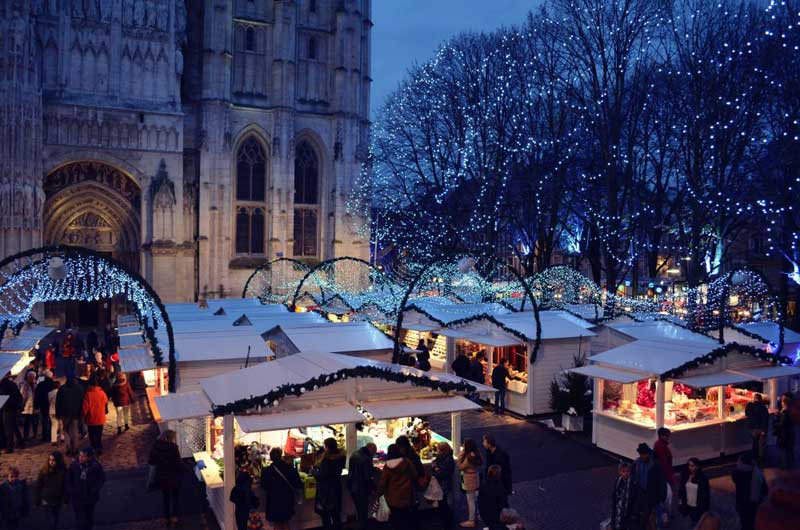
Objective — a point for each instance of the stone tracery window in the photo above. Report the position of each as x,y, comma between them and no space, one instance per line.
306,200
251,180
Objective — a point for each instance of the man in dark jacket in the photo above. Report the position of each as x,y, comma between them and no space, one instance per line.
361,482
758,423
460,366
69,409
649,483
41,402
10,412
85,479
751,490
499,378
476,368
497,456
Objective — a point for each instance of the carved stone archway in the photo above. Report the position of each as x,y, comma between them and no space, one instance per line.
94,205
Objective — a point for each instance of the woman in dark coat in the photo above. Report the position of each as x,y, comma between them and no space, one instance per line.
492,498
622,501
243,499
166,458
329,485
695,491
279,481
50,491
443,469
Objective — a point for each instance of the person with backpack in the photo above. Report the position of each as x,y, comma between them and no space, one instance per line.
280,482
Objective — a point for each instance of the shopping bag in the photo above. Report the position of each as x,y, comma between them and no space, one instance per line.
382,514
434,491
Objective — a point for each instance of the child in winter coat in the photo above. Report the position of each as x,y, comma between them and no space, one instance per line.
14,505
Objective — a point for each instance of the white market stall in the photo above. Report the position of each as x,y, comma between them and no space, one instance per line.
302,399
698,390
354,338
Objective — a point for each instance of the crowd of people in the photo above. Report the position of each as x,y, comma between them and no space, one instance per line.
395,493
645,492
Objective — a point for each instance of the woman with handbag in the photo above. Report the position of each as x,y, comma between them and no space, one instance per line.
469,463
243,499
279,481
328,503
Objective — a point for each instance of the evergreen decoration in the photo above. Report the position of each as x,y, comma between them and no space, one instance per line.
723,351
570,392
272,398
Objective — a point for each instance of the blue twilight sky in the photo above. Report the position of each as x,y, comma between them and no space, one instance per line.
408,31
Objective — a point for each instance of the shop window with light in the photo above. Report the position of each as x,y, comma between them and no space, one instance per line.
683,404
517,361
251,179
306,200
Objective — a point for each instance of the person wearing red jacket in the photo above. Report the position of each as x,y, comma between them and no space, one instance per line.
94,413
663,455
123,397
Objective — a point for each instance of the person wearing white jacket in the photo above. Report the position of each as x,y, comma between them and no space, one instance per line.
29,412
56,428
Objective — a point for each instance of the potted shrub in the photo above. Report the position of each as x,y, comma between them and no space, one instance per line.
571,397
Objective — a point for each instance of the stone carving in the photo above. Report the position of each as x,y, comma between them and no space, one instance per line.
337,143
104,174
162,195
89,220
119,132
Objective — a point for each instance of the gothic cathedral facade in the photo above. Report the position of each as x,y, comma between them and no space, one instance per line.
193,140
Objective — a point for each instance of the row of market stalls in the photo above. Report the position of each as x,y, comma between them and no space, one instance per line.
17,351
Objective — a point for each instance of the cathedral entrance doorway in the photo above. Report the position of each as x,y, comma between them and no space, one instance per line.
93,205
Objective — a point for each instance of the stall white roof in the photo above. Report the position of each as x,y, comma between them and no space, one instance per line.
130,330
338,338
299,368
181,406
330,415
140,351
566,315
481,336
136,364
221,345
768,372
654,356
771,331
35,332
658,330
554,325
446,312
133,340
18,344
612,374
725,377
260,323
8,361
383,410
127,320
3,399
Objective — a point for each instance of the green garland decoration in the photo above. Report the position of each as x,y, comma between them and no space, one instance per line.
272,398
723,351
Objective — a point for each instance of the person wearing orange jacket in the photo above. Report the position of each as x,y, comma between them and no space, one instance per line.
94,413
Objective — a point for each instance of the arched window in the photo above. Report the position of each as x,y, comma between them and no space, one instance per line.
250,40
312,48
251,171
306,200
312,6
251,181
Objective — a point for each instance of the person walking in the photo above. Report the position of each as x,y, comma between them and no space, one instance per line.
695,491
492,498
497,456
123,397
56,428
85,480
469,463
243,499
69,409
424,356
69,354
41,402
361,482
784,432
757,416
50,490
443,470
663,456
30,415
751,490
165,457
94,414
396,484
14,504
622,501
9,413
50,358
651,487
460,365
328,472
280,482
499,382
